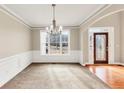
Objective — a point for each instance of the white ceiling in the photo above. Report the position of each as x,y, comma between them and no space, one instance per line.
39,15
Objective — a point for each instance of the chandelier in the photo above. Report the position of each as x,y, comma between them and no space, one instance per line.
53,28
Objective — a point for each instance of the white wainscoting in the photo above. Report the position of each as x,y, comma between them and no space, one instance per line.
74,57
11,66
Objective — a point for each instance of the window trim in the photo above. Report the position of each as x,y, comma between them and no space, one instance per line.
67,54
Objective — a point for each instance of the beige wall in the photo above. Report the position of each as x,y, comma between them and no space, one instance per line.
84,46
14,36
108,17
36,39
112,21
74,39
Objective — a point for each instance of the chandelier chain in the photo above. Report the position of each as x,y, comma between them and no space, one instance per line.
53,11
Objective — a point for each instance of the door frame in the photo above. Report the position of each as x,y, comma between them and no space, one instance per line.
94,41
111,41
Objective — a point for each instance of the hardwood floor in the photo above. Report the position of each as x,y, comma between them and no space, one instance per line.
56,76
111,75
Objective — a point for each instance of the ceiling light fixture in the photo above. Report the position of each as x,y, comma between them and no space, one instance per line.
54,29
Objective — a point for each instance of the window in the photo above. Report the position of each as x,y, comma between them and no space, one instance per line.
54,44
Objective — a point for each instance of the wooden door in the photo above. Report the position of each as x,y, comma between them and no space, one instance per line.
100,48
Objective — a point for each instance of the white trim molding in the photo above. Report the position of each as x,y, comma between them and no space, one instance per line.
10,13
11,66
111,47
24,22
95,13
64,27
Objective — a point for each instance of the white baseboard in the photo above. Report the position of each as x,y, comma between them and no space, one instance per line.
11,66
74,57
82,64
119,63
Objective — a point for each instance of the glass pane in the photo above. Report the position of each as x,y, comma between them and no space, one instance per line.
55,38
100,47
54,48
55,44
65,37
64,48
51,43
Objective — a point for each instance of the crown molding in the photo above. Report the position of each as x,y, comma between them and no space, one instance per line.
6,10
10,13
95,13
65,27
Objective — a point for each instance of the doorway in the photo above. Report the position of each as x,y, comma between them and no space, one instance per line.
100,48
110,48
